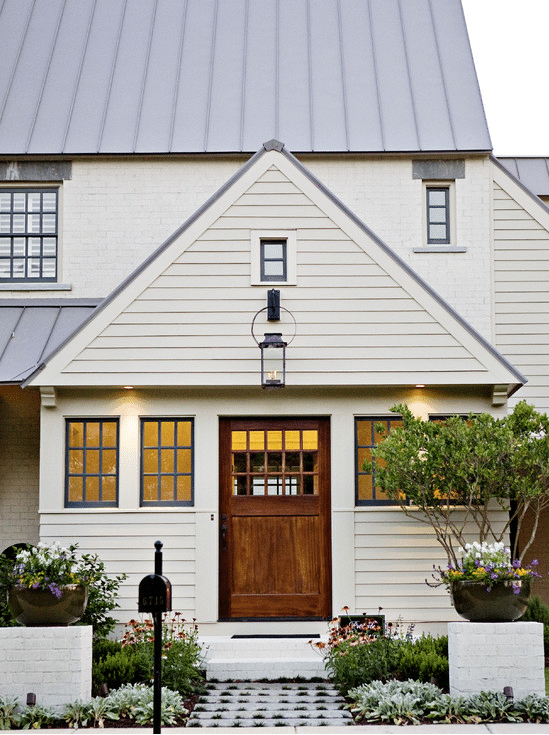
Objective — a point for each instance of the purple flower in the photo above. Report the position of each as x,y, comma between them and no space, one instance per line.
516,564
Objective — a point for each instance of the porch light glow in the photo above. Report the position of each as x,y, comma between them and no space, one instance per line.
273,361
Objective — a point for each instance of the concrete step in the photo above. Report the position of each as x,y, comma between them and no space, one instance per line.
229,659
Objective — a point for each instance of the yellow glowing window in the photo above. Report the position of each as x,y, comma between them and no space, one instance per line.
275,462
367,437
167,461
91,462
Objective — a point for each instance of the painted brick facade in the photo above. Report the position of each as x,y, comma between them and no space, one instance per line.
19,449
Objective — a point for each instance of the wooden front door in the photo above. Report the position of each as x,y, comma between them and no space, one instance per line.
274,542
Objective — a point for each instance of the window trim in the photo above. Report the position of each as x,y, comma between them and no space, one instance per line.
41,282
256,238
165,503
393,417
84,503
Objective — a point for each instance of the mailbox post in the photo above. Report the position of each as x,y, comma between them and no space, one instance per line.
155,597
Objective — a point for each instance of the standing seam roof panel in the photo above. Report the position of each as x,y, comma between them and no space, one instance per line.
161,76
460,79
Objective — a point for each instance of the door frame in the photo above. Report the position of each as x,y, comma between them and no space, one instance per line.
323,424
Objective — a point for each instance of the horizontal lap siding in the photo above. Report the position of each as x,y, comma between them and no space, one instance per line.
125,543
394,556
194,319
521,294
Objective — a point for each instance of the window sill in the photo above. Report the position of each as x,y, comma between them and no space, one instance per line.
440,249
35,287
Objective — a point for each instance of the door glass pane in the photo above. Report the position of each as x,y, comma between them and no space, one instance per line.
292,440
239,463
292,485
275,485
257,440
292,461
238,440
239,485
258,486
310,440
274,440
257,462
274,462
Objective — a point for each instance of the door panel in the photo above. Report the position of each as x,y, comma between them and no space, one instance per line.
275,511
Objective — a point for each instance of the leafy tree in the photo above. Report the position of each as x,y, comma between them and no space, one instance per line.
452,474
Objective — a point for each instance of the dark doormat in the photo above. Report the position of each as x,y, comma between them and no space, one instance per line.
295,635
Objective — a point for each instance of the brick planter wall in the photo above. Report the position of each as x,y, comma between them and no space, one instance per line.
55,663
491,656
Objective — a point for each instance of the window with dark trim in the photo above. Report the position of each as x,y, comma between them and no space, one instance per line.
91,462
273,260
438,215
367,437
167,476
28,235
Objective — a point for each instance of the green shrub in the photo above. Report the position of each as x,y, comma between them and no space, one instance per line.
115,669
425,660
350,663
538,612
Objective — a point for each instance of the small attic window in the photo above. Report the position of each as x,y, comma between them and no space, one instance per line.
438,215
273,258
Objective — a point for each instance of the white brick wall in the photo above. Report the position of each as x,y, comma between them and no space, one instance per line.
491,656
55,663
19,462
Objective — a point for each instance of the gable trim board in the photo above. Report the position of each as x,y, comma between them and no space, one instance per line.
397,291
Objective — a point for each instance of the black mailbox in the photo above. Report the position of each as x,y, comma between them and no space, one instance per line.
155,594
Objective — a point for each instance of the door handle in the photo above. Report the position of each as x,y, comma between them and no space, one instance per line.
223,531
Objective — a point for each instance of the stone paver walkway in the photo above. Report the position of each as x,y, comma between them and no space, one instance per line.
256,704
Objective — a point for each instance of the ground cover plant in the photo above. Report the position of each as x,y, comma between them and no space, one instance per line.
412,702
130,705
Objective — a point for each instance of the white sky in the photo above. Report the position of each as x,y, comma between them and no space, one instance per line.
510,42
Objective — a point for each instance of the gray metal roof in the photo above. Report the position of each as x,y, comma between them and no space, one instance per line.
533,172
159,76
31,329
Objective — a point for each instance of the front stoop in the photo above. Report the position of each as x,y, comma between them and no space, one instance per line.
255,704
229,659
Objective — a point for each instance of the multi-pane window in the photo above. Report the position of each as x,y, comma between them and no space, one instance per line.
166,461
438,215
91,462
28,234
275,462
367,437
273,260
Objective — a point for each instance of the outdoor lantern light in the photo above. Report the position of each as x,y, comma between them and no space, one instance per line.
273,361
273,347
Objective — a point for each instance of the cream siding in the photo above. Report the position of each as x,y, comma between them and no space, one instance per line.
379,557
521,286
125,543
197,309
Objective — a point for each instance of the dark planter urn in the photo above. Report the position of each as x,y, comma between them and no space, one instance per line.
499,605
41,608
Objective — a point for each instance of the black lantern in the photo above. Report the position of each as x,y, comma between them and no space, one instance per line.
273,361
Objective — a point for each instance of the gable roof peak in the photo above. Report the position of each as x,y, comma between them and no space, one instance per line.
273,145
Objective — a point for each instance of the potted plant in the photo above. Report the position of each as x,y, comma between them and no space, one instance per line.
456,474
48,585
